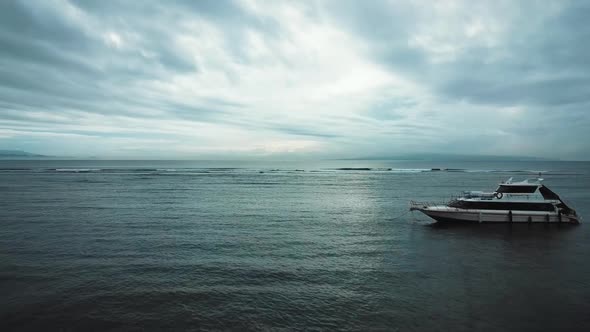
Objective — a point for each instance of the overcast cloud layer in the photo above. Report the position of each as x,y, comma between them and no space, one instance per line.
207,79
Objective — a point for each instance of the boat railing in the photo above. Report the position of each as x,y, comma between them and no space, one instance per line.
425,204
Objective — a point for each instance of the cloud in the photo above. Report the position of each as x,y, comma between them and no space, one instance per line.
313,78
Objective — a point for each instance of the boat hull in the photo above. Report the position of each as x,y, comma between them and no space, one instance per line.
446,214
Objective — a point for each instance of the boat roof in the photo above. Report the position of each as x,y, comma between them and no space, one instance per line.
528,186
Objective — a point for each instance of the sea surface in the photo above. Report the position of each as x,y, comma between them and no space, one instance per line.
330,245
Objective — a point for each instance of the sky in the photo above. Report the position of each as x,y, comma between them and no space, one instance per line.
295,79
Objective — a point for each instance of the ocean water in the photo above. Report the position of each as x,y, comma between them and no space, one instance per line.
186,245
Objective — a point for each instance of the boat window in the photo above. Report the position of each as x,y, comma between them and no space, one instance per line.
548,194
516,189
497,205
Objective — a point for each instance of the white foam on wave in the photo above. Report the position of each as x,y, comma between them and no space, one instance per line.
410,170
78,170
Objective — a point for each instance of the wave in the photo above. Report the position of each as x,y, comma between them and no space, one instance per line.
77,170
410,170
381,169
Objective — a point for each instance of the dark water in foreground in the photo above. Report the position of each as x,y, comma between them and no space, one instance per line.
99,245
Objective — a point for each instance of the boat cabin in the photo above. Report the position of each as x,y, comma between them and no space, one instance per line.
528,186
528,195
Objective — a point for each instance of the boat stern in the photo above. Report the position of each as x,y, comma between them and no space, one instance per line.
573,217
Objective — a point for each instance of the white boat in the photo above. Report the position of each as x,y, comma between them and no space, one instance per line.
518,202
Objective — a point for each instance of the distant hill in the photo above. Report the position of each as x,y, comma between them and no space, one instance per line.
4,154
